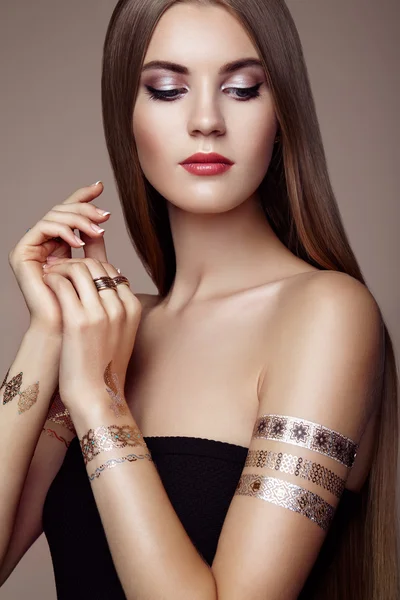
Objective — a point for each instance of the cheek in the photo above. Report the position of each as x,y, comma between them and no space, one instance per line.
150,135
256,134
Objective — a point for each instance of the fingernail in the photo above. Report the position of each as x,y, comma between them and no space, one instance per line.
96,228
119,271
51,258
44,266
79,240
103,213
97,183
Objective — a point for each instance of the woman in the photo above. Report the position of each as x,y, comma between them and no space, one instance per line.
256,394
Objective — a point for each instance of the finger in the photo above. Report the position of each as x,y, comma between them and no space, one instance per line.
65,292
124,291
75,221
82,273
94,247
45,231
90,211
85,194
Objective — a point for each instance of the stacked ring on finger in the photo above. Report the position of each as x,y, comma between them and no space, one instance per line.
121,279
102,283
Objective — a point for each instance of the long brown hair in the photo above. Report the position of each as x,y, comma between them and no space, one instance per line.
298,200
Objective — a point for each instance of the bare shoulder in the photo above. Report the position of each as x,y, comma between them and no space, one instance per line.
324,318
330,295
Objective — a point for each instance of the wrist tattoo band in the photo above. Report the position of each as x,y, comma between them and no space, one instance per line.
53,434
308,435
113,462
106,438
287,495
287,463
58,413
26,399
118,404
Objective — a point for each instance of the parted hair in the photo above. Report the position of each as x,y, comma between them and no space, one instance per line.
298,200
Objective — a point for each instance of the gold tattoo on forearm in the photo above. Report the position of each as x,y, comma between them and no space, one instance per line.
287,463
113,462
5,379
58,413
53,434
285,494
118,404
26,399
106,438
308,435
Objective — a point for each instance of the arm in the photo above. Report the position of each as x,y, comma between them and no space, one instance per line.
153,555
331,348
24,404
328,365
268,545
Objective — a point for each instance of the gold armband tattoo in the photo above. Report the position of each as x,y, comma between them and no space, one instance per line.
113,462
106,438
118,404
58,413
287,463
287,495
26,399
308,435
53,434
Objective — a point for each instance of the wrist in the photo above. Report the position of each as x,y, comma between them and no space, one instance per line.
43,332
93,411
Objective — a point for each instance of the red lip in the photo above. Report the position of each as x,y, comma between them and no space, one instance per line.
209,157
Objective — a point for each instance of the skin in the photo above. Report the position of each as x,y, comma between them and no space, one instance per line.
243,315
223,242
236,284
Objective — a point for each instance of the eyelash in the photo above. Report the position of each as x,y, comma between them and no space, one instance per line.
251,92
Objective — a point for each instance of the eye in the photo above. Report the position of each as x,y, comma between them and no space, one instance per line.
242,94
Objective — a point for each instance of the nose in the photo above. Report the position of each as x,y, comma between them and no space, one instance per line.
205,114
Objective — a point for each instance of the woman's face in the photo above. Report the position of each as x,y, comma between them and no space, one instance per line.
209,112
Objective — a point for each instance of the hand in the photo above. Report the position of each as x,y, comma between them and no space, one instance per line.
54,234
99,328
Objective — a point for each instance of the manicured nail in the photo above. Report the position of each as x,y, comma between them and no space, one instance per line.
103,213
97,183
79,240
96,228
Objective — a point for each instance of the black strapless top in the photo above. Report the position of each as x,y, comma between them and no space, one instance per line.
200,477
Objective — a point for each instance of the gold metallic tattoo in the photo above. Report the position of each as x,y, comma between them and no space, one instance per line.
287,495
287,463
113,462
308,435
106,438
5,379
118,404
53,434
58,413
12,388
27,398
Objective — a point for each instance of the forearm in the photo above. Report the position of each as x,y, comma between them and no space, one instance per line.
153,555
22,417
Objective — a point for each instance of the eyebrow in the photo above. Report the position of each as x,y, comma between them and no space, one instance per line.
229,67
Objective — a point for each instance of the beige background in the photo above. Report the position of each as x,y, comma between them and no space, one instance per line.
52,143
